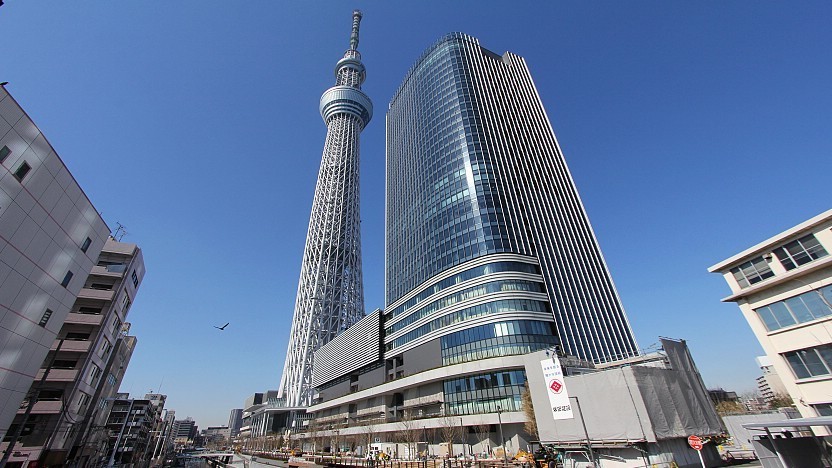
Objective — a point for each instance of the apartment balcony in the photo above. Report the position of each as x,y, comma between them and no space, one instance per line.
98,294
84,319
73,346
43,407
59,375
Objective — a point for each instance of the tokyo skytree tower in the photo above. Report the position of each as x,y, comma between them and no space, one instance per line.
330,291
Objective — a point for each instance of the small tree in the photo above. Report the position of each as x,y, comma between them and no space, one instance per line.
450,430
781,400
407,432
725,408
483,431
530,426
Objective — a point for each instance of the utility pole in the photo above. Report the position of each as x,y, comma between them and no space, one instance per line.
586,433
33,398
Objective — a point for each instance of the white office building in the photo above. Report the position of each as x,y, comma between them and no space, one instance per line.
783,287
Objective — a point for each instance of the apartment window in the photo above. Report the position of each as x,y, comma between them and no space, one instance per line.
105,348
76,336
810,362
67,279
21,171
101,286
89,310
50,395
83,400
752,271
135,279
116,325
102,403
125,301
823,409
95,373
45,318
800,252
64,364
4,153
111,379
86,244
806,307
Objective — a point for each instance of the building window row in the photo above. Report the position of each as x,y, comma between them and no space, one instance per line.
791,255
751,272
466,275
823,409
806,307
800,252
485,393
497,339
468,313
810,362
465,294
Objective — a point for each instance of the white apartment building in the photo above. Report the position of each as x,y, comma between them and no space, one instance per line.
50,238
783,287
769,384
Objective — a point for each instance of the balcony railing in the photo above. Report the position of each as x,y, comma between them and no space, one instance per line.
74,346
109,270
99,294
58,375
84,319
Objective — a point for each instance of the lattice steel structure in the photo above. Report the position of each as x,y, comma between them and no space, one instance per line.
330,292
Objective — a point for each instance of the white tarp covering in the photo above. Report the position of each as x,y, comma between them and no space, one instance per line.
632,403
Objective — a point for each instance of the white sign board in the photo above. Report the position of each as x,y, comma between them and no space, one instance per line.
556,388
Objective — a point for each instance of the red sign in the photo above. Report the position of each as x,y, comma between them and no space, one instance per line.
555,386
695,442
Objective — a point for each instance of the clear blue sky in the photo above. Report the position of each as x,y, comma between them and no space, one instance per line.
693,131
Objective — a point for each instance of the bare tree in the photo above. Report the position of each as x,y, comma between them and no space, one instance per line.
482,431
313,429
407,432
530,426
781,400
450,430
369,433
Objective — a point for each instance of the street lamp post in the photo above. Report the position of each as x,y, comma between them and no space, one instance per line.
502,438
462,434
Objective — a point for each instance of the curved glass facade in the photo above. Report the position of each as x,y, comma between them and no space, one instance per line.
484,393
497,339
467,293
468,313
474,169
471,273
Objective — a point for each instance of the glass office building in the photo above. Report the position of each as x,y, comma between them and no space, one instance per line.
488,248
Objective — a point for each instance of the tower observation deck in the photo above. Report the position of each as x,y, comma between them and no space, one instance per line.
330,294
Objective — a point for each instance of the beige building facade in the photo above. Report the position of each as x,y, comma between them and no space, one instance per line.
783,287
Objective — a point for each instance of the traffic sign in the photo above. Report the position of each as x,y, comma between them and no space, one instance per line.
695,442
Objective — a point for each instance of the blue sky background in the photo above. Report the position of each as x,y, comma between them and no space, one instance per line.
693,131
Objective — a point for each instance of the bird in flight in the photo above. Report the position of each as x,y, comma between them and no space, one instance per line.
222,327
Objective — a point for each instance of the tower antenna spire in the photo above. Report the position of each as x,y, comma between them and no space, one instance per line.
356,21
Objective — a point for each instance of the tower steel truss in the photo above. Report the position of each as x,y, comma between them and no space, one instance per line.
330,294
